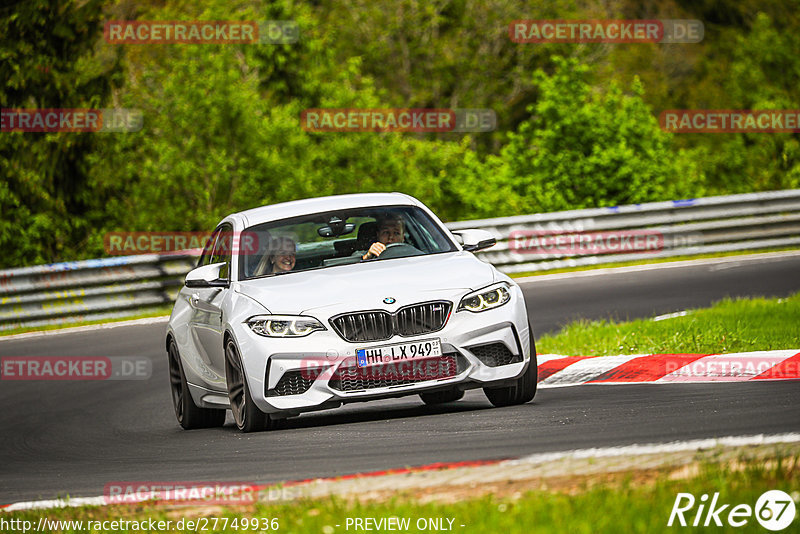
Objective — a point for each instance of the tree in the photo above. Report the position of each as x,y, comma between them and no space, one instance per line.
222,132
762,73
582,148
48,60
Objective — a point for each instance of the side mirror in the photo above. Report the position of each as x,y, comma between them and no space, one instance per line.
207,276
474,240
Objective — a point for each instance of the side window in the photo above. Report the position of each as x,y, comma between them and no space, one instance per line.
205,257
222,249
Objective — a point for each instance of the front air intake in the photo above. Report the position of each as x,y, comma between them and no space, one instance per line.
294,382
495,355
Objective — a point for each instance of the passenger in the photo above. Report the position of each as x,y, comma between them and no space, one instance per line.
279,258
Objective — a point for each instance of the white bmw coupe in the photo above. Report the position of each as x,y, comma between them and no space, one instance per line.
307,305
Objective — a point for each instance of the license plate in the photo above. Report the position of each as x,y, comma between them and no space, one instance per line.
398,352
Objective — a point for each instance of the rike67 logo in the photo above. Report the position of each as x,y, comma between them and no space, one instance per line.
774,510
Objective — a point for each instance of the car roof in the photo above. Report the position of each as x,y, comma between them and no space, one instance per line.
296,208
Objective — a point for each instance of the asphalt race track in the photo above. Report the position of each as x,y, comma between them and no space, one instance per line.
61,437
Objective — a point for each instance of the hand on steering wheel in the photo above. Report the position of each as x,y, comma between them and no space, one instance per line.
375,250
379,248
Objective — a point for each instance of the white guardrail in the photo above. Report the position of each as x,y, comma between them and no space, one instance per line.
123,286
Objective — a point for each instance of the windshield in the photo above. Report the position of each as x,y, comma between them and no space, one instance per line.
337,238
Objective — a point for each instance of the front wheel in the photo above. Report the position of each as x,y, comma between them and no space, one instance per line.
189,415
247,415
523,390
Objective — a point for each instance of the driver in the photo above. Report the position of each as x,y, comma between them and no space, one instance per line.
391,229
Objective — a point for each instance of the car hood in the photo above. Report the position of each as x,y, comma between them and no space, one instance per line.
365,285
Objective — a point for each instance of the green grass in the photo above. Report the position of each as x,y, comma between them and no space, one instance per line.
624,503
646,261
728,326
143,314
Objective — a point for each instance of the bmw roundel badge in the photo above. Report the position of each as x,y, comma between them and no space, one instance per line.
389,300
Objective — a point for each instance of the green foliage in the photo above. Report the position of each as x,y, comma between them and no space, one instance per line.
221,136
763,74
48,60
576,123
442,54
582,148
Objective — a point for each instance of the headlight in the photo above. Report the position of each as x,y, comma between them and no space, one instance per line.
283,325
485,299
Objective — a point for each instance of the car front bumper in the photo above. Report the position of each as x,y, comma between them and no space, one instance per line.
291,376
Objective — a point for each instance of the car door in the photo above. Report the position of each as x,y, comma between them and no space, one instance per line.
206,303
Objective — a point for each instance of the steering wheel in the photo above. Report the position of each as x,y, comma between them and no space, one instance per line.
400,250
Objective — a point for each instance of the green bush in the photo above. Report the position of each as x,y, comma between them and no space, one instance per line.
585,148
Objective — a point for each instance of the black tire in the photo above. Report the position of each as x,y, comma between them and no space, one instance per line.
441,397
246,414
189,415
525,388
